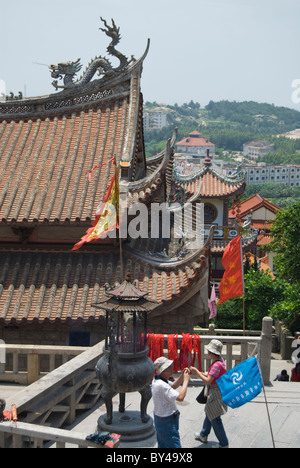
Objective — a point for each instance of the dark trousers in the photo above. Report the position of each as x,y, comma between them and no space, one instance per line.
167,431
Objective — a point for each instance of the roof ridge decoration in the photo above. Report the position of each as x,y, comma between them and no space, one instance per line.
161,155
139,189
184,257
68,70
238,176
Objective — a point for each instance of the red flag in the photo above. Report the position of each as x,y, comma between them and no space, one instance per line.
108,217
232,284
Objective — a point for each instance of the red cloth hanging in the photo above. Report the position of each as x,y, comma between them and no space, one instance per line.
156,346
189,344
186,348
172,350
197,351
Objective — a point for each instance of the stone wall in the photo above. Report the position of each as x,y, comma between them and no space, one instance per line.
56,334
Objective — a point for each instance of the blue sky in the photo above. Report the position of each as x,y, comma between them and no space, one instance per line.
200,49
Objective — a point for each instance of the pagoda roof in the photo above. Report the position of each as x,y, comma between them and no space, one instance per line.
209,183
126,290
264,239
125,297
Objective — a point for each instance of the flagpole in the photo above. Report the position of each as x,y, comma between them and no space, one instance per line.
244,316
266,402
121,259
120,237
269,419
242,267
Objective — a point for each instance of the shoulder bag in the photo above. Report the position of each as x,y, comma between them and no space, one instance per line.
202,397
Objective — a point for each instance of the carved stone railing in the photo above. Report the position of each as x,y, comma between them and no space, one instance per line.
25,435
238,348
235,349
40,360
27,363
55,398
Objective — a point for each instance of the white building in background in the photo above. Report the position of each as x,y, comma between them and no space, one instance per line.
194,144
288,174
257,148
155,120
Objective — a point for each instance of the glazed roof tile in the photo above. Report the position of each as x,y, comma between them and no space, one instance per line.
44,162
195,139
214,184
39,286
253,203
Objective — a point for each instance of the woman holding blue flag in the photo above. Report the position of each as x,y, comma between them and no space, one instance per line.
214,407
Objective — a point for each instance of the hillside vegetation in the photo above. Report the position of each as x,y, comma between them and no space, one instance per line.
229,125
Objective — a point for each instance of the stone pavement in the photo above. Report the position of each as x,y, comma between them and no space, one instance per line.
246,427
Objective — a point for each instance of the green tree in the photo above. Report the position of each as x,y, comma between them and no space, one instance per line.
288,309
262,292
286,243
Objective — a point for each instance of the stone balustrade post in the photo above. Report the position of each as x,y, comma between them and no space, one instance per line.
33,368
266,349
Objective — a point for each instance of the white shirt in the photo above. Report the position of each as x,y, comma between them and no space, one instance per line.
164,398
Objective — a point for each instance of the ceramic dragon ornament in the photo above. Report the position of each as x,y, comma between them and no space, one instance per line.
68,70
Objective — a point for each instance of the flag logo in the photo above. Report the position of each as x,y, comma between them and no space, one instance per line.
241,384
236,378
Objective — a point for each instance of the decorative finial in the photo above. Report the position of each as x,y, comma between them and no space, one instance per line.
129,277
207,160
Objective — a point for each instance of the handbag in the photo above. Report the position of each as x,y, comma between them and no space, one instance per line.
202,397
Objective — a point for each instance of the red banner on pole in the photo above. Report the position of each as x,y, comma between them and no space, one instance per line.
232,284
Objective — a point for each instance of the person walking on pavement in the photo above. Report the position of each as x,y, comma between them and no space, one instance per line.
214,407
165,395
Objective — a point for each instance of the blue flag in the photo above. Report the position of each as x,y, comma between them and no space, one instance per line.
241,384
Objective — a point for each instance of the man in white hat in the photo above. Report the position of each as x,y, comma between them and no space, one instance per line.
166,414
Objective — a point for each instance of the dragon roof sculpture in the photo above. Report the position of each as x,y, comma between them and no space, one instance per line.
68,70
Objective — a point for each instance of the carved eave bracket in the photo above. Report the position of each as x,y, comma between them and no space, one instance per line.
23,232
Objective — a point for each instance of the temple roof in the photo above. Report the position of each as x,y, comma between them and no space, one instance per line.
263,263
209,183
252,204
44,158
194,139
47,145
59,285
